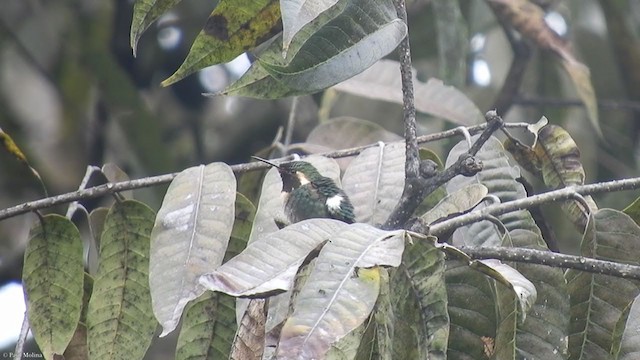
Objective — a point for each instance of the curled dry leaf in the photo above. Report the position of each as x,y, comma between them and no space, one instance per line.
528,19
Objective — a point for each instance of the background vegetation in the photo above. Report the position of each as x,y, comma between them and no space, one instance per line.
73,95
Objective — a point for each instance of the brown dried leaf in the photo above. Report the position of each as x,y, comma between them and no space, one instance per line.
249,341
528,19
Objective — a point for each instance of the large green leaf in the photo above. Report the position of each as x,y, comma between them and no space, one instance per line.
341,290
120,321
524,291
189,238
471,310
382,82
597,301
209,322
232,28
340,43
626,338
544,331
500,178
277,256
52,277
459,201
145,12
419,302
298,13
374,182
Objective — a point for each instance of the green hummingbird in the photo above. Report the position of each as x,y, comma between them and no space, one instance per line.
307,194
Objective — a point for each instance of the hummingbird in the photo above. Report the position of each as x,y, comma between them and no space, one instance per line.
307,194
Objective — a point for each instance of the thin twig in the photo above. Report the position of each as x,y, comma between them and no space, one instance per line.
24,330
535,200
552,259
111,188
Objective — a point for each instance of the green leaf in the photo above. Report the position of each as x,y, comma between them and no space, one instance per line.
597,301
53,281
374,182
189,238
545,329
145,12
340,43
419,301
258,83
500,178
277,255
524,290
633,210
471,310
209,322
459,201
346,269
298,13
626,338
208,327
381,82
329,65
120,322
234,27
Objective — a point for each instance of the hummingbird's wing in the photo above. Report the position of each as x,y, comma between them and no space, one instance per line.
336,201
305,202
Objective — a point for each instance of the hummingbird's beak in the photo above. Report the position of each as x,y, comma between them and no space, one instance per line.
266,161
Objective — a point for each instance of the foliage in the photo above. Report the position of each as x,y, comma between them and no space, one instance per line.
220,263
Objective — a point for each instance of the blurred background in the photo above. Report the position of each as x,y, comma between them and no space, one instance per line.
72,95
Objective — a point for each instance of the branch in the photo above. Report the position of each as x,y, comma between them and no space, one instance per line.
111,188
552,259
412,163
522,204
416,189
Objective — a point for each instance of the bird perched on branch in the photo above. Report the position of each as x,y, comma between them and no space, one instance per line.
308,194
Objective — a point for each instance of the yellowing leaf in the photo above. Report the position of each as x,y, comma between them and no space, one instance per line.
53,282
234,27
560,160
